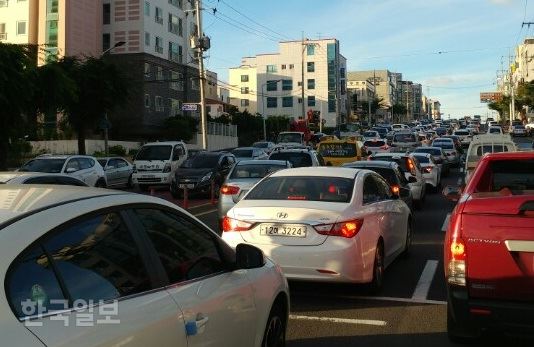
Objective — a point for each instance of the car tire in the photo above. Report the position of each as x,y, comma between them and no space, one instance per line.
275,330
100,183
460,334
378,269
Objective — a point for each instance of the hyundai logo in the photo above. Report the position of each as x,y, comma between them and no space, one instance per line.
281,215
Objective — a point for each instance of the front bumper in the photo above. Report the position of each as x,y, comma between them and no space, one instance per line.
151,178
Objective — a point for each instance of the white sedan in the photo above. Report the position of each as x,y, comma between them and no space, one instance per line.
430,169
94,267
324,224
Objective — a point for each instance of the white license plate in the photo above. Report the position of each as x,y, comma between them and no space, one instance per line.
188,186
290,230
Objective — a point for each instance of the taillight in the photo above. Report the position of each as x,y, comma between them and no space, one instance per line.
457,254
395,189
346,229
428,169
230,224
229,190
167,168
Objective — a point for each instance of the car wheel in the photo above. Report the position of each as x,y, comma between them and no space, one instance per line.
378,269
100,183
460,334
275,331
409,238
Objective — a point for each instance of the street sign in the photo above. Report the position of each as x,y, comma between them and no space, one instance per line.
189,107
487,97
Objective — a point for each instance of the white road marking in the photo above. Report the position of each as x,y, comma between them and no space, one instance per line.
379,323
203,213
201,205
446,223
423,286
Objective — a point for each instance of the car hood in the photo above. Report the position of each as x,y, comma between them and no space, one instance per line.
190,172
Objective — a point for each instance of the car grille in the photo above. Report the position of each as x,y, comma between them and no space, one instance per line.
149,170
148,180
188,180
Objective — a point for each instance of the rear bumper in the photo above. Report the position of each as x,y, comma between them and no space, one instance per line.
509,317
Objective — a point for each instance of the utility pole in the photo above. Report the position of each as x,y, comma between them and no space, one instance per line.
202,44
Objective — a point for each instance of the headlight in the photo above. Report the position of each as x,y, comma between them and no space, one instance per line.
206,177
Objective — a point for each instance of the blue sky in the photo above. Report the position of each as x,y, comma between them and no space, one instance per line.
403,36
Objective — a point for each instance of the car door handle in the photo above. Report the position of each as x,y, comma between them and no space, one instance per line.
196,327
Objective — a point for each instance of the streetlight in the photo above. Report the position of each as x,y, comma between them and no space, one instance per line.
263,106
117,44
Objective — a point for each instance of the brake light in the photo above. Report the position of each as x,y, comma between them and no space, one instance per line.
230,224
395,189
428,169
229,190
346,229
457,254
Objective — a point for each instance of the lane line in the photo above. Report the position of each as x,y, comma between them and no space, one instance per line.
205,212
382,298
446,222
379,323
423,286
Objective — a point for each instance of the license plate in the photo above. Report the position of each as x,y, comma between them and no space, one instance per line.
283,230
188,186
148,176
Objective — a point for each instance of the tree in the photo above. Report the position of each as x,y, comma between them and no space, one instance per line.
399,109
180,128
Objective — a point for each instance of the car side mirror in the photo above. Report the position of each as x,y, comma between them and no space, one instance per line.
70,170
412,179
249,257
452,193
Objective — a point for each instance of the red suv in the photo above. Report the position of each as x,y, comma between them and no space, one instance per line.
489,249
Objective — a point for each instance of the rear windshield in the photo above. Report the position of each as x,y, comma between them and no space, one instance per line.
432,151
295,158
44,165
369,133
495,131
404,138
489,149
337,150
519,126
158,152
423,159
255,170
388,174
400,161
374,143
328,189
515,175
201,161
462,133
444,145
247,153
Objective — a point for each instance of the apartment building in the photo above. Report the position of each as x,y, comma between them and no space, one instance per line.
523,67
410,95
272,84
384,81
358,92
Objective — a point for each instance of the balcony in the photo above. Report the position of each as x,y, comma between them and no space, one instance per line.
3,36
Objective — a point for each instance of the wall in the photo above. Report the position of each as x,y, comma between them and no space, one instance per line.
215,142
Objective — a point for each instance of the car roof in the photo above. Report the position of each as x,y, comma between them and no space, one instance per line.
63,156
391,154
261,162
246,148
372,163
318,171
19,200
164,143
430,147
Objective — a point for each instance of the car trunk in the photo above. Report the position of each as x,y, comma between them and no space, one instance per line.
499,246
267,214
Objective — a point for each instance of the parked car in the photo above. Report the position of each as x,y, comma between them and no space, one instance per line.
246,153
412,171
118,171
85,266
243,176
85,168
440,158
392,173
324,224
298,157
376,146
489,247
518,130
156,163
431,170
17,177
267,146
202,174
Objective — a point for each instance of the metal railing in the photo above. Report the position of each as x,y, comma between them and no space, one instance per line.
222,129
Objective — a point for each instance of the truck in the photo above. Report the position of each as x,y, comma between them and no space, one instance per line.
482,144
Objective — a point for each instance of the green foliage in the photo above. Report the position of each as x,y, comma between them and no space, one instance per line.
180,128
249,127
19,151
117,150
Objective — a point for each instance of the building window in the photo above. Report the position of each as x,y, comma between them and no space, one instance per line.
106,13
244,102
311,101
299,83
158,47
244,90
106,42
291,66
272,86
3,34
180,27
159,15
147,100
300,100
287,85
158,103
175,107
21,28
342,72
147,39
147,8
272,102
287,101
173,52
159,73
311,66
174,24
177,82
284,66
195,85
177,3
180,54
311,83
310,49
244,78
147,69
271,68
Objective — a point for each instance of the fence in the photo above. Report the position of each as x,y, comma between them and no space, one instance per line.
222,129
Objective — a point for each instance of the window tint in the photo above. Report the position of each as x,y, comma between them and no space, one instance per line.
98,259
186,250
384,190
32,285
73,164
297,159
121,163
370,190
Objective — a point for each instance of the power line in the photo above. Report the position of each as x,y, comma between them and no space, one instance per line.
243,28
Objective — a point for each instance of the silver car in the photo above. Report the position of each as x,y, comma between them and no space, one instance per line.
244,153
118,171
243,176
448,147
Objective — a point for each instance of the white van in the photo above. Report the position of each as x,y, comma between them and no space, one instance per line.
156,162
482,144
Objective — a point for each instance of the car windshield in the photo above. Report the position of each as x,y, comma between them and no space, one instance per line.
374,143
515,175
309,188
297,159
404,138
44,165
200,161
243,153
337,150
154,152
289,137
102,162
261,145
255,170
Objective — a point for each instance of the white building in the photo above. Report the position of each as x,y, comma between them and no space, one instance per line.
271,84
523,69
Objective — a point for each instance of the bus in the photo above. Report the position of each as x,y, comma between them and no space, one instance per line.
339,152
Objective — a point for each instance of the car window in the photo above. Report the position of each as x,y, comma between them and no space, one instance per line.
320,159
73,164
231,160
185,249
371,193
98,259
297,159
121,163
86,163
384,190
32,285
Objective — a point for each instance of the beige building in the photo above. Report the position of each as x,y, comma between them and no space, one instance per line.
523,68
272,84
59,27
384,81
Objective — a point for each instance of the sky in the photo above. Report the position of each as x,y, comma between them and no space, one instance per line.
452,47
